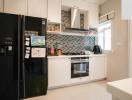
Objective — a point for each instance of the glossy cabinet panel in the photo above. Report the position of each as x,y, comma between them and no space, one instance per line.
54,11
37,8
15,6
1,5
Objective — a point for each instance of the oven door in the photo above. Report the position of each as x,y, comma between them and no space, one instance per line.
79,69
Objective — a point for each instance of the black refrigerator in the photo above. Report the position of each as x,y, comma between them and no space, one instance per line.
23,57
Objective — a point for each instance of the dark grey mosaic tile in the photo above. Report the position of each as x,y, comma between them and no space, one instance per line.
69,43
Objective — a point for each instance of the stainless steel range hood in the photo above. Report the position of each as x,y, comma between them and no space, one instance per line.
75,18
79,19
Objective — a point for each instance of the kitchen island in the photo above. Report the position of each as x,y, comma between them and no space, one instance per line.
121,90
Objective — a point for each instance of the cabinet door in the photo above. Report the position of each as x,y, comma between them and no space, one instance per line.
37,8
126,6
54,11
58,72
98,65
15,6
1,5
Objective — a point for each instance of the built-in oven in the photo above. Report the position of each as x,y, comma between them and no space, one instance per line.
79,67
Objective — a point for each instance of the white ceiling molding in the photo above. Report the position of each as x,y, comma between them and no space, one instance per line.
99,2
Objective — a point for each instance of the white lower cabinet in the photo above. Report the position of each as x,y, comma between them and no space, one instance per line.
98,67
58,72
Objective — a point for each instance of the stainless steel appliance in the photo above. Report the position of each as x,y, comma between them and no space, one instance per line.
79,67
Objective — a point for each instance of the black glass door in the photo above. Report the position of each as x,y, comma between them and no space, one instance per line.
34,69
9,57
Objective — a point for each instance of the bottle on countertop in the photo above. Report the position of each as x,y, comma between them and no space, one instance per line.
55,48
52,51
58,50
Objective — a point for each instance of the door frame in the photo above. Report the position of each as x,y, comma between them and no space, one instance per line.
130,47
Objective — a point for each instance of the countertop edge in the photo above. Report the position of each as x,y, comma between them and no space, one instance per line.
69,56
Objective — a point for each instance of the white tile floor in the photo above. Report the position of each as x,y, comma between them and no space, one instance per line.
90,91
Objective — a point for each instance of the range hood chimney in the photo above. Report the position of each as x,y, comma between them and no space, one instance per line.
75,17
75,20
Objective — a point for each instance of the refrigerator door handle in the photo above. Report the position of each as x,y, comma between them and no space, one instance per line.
18,56
23,56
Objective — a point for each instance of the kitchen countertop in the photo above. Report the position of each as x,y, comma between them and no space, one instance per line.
69,56
121,89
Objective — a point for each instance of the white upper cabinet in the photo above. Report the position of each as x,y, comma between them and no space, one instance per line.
126,6
37,8
15,6
1,5
54,11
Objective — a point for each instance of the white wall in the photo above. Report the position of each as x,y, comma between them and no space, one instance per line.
118,60
91,7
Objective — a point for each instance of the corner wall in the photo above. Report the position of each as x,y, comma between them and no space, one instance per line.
117,60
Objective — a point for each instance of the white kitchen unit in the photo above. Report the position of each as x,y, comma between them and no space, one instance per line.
15,6
58,71
54,11
1,6
98,64
121,89
37,8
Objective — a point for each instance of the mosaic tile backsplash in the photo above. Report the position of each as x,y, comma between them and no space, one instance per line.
70,43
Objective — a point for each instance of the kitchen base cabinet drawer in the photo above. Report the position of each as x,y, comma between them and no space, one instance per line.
80,80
